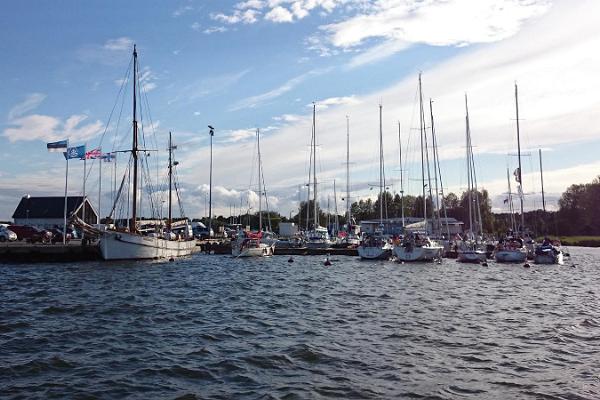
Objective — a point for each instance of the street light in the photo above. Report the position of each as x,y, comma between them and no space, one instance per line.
212,133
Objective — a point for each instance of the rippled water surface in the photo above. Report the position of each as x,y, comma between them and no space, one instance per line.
217,327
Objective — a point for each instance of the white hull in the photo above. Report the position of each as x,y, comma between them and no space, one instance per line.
128,246
511,256
374,253
427,253
549,258
471,256
263,250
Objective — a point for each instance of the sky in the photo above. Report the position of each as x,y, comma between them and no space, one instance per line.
243,65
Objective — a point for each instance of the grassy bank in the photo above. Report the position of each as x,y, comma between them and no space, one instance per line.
584,241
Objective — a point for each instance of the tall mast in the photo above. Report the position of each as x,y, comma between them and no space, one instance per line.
348,204
510,202
134,148
380,164
336,220
520,174
542,178
170,218
435,176
469,174
259,182
314,130
421,122
401,176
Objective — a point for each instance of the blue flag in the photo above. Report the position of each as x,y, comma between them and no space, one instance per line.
75,152
60,146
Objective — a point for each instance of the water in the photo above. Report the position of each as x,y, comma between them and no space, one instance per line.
216,327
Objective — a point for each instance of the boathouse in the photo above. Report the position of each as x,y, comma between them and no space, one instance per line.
393,226
48,212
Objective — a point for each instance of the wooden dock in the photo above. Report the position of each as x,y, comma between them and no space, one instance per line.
22,252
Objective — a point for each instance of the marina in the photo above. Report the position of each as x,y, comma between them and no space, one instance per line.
300,199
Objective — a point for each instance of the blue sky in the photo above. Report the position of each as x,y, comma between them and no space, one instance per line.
241,65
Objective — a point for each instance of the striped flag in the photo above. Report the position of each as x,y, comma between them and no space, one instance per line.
57,147
93,154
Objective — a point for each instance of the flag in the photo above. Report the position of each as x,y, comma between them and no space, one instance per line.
93,154
57,146
108,157
517,175
75,152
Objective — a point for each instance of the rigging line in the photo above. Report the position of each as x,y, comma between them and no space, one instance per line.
116,135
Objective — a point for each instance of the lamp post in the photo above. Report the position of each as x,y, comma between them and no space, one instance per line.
212,133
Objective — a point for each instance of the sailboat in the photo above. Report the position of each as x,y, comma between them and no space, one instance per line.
377,246
417,246
470,251
133,242
254,244
511,248
318,237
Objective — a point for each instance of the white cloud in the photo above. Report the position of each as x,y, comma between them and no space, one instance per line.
215,29
182,10
239,135
119,44
196,26
279,14
336,101
255,101
48,128
244,16
257,4
30,103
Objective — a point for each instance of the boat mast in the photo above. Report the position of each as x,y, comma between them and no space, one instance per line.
421,122
170,218
469,175
380,165
134,148
401,176
435,175
336,220
510,202
542,178
348,205
259,182
520,172
315,166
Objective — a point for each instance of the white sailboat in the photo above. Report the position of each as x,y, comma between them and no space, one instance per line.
318,236
511,249
254,244
131,243
417,246
470,250
377,246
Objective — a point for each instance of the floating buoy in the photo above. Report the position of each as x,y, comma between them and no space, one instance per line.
327,262
484,264
291,260
526,265
171,259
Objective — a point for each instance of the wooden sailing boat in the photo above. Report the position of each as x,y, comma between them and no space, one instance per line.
377,246
132,243
253,244
417,246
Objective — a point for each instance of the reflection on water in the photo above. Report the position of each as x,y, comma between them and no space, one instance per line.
217,327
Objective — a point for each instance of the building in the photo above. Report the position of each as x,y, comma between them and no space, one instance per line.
48,212
393,226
